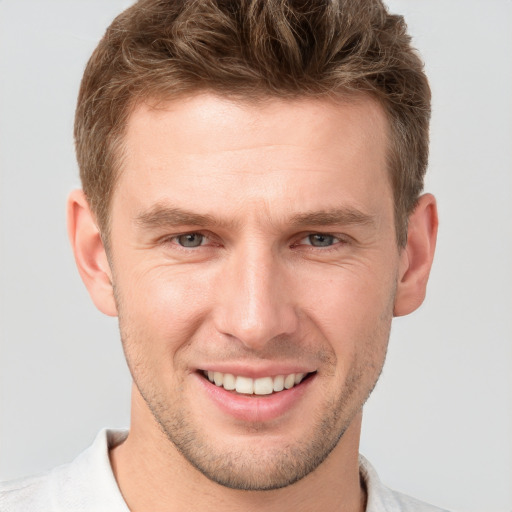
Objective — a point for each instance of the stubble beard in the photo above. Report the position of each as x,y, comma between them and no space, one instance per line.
253,469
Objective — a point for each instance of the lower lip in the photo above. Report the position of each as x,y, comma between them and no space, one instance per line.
255,408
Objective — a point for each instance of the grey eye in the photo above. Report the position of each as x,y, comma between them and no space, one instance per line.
190,240
320,240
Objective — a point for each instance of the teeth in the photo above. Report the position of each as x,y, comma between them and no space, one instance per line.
229,382
263,386
289,381
248,386
244,385
279,383
218,378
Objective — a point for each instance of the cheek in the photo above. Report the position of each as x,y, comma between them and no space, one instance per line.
168,294
353,311
159,313
349,294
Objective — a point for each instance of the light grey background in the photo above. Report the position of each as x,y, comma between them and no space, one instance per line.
439,425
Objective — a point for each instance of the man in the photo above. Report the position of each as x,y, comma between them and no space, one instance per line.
251,212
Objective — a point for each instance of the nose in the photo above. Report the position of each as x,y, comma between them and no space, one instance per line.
255,298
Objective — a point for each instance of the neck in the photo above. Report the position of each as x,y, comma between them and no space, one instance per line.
153,476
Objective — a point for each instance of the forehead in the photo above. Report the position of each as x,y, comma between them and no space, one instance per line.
217,152
267,120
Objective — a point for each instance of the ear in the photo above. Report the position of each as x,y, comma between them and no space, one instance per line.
416,257
90,256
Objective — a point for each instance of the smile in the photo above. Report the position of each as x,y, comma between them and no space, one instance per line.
249,386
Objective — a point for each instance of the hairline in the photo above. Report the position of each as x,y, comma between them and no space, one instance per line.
160,99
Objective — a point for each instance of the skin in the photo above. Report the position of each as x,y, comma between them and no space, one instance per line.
260,294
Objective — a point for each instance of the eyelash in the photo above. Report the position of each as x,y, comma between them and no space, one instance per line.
338,241
173,240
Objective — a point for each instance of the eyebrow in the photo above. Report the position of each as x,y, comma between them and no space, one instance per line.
163,216
338,216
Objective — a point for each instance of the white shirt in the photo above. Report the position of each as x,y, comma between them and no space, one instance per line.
88,485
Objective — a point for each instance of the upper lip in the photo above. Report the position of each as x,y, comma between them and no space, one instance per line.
256,371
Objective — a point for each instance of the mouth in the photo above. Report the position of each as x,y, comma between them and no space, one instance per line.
261,386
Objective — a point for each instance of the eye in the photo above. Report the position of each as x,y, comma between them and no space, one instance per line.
190,240
320,240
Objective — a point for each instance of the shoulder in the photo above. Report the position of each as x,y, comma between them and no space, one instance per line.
383,499
86,484
26,494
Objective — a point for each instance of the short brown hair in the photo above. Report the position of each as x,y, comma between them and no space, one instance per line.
164,49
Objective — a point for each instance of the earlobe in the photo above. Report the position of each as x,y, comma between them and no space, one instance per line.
90,256
417,256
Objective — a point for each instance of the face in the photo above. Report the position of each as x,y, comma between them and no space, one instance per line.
254,263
